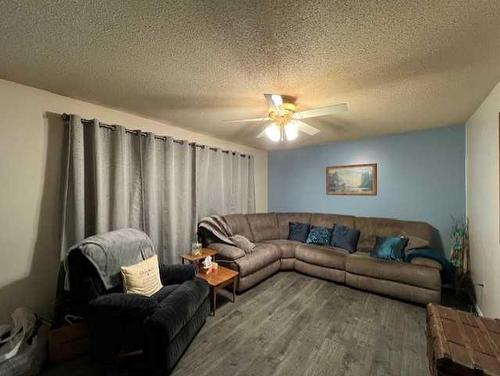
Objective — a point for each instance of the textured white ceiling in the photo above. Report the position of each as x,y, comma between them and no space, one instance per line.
401,65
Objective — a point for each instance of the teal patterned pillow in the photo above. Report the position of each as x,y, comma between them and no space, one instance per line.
390,248
319,235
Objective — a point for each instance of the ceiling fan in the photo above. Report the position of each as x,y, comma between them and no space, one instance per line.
285,122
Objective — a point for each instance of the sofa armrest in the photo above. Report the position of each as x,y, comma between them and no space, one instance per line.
226,251
186,303
176,274
177,309
422,261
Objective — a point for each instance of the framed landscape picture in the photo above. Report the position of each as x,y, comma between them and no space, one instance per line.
358,179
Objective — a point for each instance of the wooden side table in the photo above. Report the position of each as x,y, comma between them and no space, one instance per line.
218,279
196,260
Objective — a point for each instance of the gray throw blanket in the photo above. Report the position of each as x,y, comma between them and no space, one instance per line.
110,251
218,227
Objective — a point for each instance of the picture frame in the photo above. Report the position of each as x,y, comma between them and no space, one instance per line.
352,180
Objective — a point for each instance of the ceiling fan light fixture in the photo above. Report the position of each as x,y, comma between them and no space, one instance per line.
277,100
291,130
273,132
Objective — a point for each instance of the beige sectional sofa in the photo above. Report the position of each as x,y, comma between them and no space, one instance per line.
418,281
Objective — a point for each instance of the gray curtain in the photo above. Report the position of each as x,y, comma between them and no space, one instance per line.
224,182
117,178
169,201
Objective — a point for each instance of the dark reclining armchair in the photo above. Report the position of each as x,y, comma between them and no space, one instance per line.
161,325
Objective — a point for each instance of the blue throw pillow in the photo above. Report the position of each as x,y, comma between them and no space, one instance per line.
298,231
390,248
345,238
319,235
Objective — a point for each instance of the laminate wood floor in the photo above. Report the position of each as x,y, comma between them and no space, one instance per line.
293,324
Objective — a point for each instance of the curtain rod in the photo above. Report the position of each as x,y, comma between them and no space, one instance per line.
163,138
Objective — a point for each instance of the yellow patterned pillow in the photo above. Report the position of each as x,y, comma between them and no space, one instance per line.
142,278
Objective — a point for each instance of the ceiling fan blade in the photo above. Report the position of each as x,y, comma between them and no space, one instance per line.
274,101
263,133
246,120
306,128
322,111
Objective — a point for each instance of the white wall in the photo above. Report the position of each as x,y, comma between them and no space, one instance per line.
483,201
30,186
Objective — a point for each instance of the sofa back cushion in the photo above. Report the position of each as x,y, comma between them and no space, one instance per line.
285,218
371,227
264,226
239,225
328,220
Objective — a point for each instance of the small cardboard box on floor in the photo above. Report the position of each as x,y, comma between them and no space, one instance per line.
68,342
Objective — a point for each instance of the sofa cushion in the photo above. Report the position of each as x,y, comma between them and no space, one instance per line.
263,255
287,263
330,274
120,306
328,220
263,226
370,228
244,283
298,231
345,237
164,292
323,256
426,262
239,225
287,247
416,294
410,274
226,251
319,235
285,218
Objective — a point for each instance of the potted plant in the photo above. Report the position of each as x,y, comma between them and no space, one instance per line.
460,247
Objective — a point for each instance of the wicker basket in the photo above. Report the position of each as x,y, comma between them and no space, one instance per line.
459,343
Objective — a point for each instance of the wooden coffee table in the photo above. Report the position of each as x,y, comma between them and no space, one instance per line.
216,280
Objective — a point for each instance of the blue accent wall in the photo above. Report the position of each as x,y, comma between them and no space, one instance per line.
421,176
